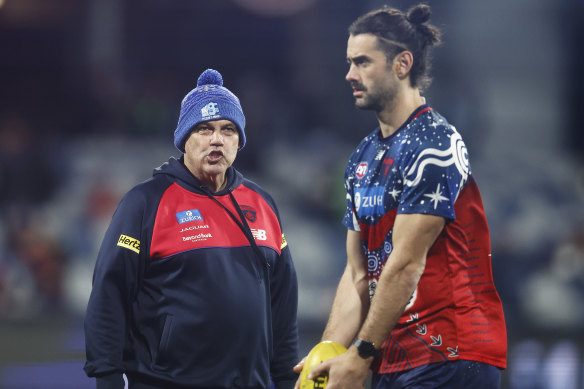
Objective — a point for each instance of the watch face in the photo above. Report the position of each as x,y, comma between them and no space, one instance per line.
366,349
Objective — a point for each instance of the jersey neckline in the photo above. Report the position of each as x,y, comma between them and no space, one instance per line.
413,116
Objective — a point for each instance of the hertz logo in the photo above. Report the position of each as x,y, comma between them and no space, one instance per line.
129,243
284,243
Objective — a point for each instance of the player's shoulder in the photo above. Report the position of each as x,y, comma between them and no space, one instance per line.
255,187
146,191
432,130
433,123
259,192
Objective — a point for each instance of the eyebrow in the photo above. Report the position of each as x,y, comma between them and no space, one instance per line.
360,57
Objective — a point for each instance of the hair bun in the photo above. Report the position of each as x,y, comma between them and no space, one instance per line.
419,14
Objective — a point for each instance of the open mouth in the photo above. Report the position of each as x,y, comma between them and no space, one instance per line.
215,156
358,89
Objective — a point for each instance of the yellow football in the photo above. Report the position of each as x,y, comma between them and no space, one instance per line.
319,353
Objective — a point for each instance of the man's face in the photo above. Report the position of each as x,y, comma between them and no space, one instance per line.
370,75
211,148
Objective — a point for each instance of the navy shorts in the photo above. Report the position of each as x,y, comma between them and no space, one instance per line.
443,375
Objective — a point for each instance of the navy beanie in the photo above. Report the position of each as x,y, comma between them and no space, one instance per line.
210,100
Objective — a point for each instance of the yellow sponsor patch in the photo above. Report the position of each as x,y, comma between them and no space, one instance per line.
129,243
284,243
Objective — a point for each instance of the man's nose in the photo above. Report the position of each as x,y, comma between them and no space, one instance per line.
216,137
351,76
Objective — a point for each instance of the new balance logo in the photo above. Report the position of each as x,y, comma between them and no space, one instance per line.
259,234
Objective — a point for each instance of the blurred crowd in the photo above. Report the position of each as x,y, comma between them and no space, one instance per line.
31,261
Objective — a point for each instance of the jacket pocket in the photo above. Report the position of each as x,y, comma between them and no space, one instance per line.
165,337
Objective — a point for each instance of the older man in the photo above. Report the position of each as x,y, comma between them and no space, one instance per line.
194,285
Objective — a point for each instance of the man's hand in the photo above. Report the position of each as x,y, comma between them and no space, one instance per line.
347,371
298,369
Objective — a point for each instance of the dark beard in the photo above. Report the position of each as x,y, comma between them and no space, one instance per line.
368,105
377,102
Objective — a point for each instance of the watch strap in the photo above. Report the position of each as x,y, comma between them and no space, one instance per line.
365,348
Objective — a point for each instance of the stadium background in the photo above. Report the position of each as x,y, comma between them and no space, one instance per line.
90,93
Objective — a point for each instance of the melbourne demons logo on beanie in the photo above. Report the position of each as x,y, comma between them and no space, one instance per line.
209,111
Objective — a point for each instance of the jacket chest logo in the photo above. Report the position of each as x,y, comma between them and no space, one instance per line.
249,213
190,215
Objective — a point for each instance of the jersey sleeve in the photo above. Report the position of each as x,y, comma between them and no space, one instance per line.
114,285
434,176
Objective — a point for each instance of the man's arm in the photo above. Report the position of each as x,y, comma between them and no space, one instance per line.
284,286
351,301
413,236
114,281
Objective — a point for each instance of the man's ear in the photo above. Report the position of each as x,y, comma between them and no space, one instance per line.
402,64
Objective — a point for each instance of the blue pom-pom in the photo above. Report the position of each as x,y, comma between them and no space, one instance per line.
210,77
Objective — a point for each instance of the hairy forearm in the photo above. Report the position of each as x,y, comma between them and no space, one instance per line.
413,236
394,289
349,308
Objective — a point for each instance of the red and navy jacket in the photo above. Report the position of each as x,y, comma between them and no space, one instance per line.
180,294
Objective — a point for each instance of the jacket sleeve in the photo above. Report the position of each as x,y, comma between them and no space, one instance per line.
284,321
114,285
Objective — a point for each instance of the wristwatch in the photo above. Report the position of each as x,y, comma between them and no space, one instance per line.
366,349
